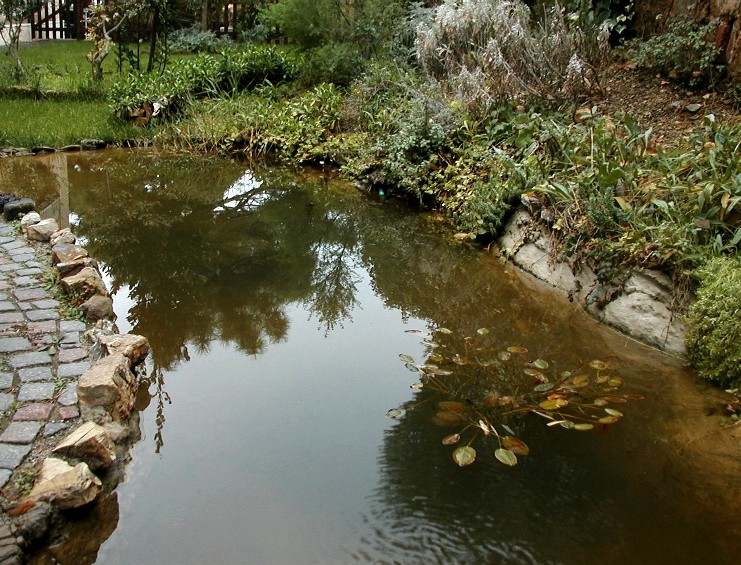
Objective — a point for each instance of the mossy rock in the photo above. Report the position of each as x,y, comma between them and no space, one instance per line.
713,336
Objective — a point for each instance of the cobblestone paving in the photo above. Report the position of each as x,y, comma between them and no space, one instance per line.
41,357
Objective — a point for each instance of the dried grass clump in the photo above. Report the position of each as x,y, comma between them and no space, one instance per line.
485,52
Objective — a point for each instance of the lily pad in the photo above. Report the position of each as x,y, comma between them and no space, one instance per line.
541,364
515,445
583,427
504,355
553,404
482,331
396,413
506,456
464,455
406,358
445,331
516,349
597,364
544,387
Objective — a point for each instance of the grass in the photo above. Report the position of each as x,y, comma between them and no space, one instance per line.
58,104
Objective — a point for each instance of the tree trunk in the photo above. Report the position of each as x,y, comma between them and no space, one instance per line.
204,15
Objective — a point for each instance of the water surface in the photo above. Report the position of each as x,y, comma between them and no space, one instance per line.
277,306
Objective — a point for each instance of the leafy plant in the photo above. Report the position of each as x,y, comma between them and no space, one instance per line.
713,331
482,386
685,51
24,479
194,40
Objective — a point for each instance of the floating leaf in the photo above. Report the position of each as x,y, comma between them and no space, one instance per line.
422,333
441,373
416,385
544,387
615,381
540,364
609,419
553,403
634,397
616,399
568,424
453,406
488,363
396,413
406,358
530,372
583,427
506,457
482,331
565,374
437,358
555,423
464,456
600,402
603,379
508,429
448,418
484,427
504,355
581,380
451,439
445,331
516,446
427,367
613,412
597,364
516,349
458,360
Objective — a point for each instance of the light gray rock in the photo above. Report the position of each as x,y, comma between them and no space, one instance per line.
64,235
106,390
134,347
97,308
42,230
65,486
85,284
28,220
89,443
66,253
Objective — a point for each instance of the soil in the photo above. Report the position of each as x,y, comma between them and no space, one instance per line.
659,103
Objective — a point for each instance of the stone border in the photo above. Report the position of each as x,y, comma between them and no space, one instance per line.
643,309
58,376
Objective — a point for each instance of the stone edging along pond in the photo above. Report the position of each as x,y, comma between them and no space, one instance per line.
88,461
643,310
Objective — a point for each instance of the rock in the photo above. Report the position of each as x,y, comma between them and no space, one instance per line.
64,235
89,443
70,148
106,390
34,524
39,149
65,486
15,208
43,230
28,220
66,253
693,108
6,197
134,347
74,267
85,284
97,308
92,144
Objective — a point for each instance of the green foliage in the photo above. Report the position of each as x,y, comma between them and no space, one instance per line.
713,331
685,51
223,74
24,479
194,40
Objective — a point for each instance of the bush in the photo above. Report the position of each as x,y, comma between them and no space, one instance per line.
487,52
713,336
225,73
194,40
685,51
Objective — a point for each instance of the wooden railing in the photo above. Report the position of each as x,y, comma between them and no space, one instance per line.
59,19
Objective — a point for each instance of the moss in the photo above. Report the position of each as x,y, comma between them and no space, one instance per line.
713,331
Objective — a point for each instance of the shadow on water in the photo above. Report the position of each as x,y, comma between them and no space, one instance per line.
227,271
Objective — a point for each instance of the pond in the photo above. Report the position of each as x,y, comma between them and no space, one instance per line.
277,305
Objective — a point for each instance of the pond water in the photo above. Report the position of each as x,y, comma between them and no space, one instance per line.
277,306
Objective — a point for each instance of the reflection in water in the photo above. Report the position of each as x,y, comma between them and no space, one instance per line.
289,458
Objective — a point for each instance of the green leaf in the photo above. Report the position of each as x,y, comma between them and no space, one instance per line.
544,387
406,358
445,331
553,404
464,456
583,427
515,445
540,364
506,456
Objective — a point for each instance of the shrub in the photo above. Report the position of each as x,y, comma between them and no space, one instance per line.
225,73
713,336
685,51
194,40
488,51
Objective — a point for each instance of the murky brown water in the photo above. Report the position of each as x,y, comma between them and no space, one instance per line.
277,307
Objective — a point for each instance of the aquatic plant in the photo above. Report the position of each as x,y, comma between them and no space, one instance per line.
482,386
